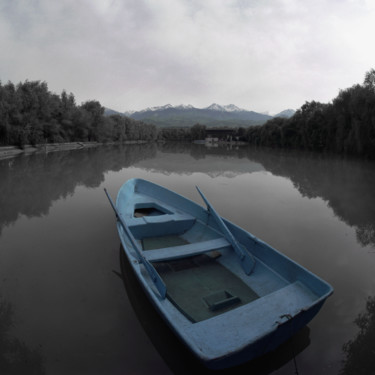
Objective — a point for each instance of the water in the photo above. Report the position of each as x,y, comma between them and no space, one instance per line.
60,270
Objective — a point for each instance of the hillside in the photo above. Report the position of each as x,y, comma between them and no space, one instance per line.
187,115
287,113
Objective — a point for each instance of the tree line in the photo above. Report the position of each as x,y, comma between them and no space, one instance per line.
31,114
344,126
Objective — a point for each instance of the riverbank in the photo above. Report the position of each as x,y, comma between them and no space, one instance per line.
12,151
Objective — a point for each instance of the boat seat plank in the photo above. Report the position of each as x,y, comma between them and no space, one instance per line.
151,226
175,252
135,221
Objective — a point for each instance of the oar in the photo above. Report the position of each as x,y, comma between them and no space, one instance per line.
155,277
247,261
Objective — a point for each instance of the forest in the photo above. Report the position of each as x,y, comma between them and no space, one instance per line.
31,114
344,126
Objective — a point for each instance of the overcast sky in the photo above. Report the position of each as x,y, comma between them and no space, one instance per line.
261,55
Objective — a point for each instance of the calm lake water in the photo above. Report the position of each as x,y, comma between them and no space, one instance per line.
69,306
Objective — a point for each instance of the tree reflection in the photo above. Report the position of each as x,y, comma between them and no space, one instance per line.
360,355
29,184
346,184
15,357
366,234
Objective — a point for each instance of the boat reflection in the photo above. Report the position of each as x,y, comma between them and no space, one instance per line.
178,358
30,184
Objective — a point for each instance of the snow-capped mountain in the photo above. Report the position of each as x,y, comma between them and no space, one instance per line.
184,106
188,115
224,108
215,107
153,109
212,107
286,113
233,108
213,115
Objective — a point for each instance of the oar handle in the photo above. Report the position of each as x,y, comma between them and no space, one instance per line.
247,260
157,280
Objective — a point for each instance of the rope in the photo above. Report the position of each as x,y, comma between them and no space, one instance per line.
289,317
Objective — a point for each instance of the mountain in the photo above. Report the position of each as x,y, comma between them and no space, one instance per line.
286,113
110,112
187,115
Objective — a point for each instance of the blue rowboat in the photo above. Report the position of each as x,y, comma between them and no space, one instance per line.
227,295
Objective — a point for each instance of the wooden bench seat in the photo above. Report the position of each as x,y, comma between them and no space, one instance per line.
151,226
175,252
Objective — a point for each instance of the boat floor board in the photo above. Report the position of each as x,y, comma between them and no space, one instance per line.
262,280
202,288
152,243
186,250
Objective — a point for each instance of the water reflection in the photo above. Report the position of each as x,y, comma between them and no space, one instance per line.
198,151
359,353
43,269
16,358
178,357
30,184
345,184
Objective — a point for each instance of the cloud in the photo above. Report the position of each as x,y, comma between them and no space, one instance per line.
136,53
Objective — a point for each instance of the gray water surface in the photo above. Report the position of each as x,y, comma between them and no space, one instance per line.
69,306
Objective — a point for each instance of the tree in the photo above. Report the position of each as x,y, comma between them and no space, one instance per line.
95,112
118,128
369,80
198,131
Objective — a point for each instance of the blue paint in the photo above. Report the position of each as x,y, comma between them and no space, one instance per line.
289,295
246,259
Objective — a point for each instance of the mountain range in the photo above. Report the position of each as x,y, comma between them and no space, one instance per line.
187,115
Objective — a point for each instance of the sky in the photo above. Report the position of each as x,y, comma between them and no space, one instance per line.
261,55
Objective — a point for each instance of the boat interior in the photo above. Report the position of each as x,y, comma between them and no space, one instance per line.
201,270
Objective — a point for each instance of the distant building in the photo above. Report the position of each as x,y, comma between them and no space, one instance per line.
220,135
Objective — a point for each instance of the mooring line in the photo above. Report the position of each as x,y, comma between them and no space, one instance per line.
289,317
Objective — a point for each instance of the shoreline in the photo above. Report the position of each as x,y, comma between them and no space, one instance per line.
13,151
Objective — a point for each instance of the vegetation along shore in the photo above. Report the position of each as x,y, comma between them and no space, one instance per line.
11,151
32,115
